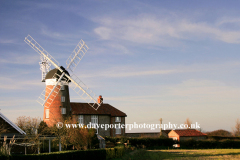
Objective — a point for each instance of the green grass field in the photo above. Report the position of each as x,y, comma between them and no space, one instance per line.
142,154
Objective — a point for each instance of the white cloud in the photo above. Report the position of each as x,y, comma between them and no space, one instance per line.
123,71
62,38
129,71
7,41
228,20
151,30
204,90
52,34
126,73
15,101
190,90
21,59
13,84
103,32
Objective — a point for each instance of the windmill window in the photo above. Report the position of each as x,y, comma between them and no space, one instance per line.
47,113
63,110
80,119
117,119
62,99
62,87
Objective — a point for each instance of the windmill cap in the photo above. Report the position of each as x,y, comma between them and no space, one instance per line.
55,73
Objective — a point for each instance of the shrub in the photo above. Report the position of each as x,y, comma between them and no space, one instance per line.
115,152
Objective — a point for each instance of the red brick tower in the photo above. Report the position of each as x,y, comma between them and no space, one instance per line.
57,108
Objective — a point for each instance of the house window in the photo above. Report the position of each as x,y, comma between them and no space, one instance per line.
80,119
118,129
62,99
62,87
47,113
63,110
94,121
117,119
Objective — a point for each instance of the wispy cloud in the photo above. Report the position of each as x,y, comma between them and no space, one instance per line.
152,30
15,58
186,94
138,73
14,101
228,20
123,71
13,84
204,90
66,38
7,41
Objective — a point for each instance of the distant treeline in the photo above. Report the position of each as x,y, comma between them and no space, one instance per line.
210,144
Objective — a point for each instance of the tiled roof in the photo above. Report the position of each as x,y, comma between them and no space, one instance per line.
104,109
189,133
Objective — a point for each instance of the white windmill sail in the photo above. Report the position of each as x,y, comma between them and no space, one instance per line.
76,55
77,84
32,43
51,92
84,92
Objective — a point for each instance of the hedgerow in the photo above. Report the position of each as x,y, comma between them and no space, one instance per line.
209,144
100,154
140,142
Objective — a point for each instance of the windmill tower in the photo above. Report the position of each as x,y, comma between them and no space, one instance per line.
57,107
55,97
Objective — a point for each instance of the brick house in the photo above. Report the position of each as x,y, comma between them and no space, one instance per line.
106,114
184,134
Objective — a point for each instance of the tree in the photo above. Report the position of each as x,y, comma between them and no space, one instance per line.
79,138
28,124
43,129
220,132
236,130
188,122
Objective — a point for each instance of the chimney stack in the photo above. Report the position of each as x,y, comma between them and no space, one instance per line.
100,99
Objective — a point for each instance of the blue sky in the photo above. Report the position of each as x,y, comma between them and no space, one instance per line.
151,59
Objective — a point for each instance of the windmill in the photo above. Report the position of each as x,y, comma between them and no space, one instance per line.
55,97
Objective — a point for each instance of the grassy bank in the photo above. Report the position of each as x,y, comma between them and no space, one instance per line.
182,154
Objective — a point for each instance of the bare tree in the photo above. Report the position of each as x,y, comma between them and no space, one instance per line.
28,124
80,138
236,129
188,123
